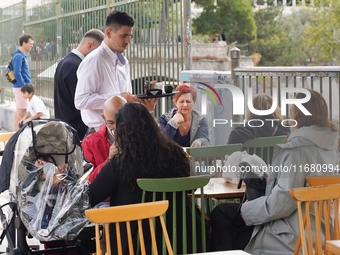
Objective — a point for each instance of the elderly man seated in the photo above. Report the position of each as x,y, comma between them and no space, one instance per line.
98,147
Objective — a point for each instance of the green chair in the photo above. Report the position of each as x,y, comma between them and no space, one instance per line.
204,159
263,146
179,191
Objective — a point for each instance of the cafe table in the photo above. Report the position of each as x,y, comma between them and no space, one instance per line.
219,188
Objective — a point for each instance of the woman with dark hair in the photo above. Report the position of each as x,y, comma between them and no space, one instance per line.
274,217
143,152
183,124
260,126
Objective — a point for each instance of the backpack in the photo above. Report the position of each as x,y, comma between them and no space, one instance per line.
10,73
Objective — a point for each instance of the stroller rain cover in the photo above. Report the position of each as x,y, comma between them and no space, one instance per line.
44,181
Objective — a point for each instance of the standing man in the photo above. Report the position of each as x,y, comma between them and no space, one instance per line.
65,81
105,71
22,76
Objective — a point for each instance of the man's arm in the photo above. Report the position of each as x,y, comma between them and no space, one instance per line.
17,68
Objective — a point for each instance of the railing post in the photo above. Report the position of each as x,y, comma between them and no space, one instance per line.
24,11
59,35
187,35
235,54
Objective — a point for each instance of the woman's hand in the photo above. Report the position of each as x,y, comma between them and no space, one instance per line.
178,118
113,151
197,143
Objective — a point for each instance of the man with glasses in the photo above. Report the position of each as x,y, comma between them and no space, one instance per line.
99,147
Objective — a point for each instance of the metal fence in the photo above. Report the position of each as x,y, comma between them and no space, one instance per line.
324,79
159,51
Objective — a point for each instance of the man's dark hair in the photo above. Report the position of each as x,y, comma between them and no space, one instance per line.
95,34
29,88
116,19
24,38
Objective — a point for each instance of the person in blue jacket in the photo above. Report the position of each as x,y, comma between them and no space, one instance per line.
183,124
22,76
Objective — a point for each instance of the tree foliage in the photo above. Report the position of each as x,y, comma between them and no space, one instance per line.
234,19
322,36
279,39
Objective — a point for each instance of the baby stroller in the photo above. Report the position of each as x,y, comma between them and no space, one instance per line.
42,168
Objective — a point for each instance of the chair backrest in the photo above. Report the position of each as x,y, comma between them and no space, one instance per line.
4,137
128,213
210,155
323,180
324,199
178,189
263,146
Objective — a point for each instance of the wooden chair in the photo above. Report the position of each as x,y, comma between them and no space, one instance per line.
4,137
128,213
322,198
263,146
210,154
323,180
178,189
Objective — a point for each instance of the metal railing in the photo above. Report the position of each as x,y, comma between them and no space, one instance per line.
160,49
324,79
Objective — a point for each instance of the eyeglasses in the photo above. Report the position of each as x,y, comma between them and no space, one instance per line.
111,131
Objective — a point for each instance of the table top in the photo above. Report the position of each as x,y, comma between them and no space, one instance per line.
220,189
235,252
333,246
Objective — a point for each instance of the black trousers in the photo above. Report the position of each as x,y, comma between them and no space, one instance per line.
229,231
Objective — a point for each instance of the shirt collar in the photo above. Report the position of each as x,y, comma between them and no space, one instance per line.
78,53
114,56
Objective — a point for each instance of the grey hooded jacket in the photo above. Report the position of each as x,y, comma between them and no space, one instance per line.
275,214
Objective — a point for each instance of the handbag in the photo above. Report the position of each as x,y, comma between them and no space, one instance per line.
255,181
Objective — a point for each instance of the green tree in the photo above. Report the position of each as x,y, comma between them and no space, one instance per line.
279,39
322,36
234,19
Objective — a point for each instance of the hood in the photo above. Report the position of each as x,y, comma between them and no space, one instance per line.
323,137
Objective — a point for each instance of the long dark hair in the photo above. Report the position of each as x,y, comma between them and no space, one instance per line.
143,150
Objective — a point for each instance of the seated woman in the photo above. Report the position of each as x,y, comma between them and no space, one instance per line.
271,222
182,124
269,128
143,152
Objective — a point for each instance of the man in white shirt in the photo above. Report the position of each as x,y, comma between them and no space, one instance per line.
105,71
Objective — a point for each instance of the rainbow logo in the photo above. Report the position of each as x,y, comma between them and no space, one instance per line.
209,93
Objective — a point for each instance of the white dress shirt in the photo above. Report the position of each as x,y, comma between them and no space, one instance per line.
78,53
100,76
